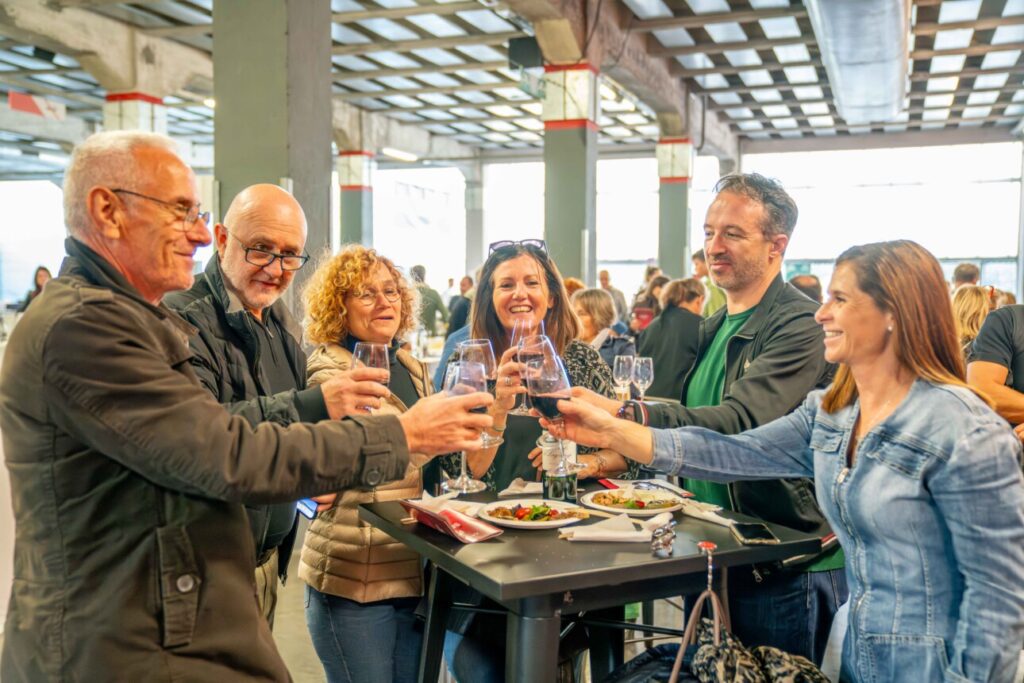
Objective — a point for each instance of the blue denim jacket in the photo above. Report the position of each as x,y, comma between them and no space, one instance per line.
931,516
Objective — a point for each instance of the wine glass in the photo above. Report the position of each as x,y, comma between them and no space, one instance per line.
522,330
622,373
643,374
371,355
461,378
547,383
480,351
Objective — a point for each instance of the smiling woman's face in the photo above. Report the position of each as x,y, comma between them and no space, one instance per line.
377,321
520,291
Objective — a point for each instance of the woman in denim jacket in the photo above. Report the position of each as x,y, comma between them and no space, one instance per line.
918,477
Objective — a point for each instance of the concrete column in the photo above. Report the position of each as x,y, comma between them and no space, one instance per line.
135,111
273,117
355,176
476,250
571,111
675,164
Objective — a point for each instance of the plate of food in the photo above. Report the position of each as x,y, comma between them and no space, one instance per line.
633,501
530,513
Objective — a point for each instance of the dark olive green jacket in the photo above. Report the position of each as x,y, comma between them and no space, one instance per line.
133,559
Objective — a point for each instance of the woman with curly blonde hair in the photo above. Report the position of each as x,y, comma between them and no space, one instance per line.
971,306
363,586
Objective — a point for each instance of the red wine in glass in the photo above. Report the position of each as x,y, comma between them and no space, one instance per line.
547,404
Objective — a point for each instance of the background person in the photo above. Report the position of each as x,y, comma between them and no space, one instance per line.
126,475
995,364
621,310
920,479
966,273
809,285
971,305
431,305
671,339
39,278
246,350
362,587
458,306
715,297
648,305
595,310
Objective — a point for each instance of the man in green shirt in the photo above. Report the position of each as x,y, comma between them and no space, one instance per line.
757,359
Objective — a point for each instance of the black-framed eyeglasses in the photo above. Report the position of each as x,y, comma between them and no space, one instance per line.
264,258
188,214
540,245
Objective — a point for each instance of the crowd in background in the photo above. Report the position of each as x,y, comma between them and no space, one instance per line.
892,395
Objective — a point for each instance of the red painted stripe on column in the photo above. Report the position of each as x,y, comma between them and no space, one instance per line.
356,153
673,180
133,96
673,141
17,101
570,124
356,188
581,66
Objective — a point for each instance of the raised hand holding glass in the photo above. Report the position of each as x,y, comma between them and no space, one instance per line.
463,378
371,355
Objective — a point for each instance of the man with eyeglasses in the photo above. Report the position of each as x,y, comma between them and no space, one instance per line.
247,349
133,556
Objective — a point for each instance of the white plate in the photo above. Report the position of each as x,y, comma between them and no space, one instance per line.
526,502
588,500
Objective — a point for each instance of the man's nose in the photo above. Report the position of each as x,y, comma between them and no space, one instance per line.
199,233
275,268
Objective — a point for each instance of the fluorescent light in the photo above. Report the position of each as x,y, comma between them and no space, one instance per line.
399,154
210,102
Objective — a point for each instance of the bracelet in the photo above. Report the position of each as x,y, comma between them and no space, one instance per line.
600,465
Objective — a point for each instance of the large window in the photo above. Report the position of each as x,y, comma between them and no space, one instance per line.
33,235
961,203
419,217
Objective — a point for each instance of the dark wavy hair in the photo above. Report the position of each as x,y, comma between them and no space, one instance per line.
560,322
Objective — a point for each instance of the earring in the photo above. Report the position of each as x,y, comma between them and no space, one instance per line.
889,329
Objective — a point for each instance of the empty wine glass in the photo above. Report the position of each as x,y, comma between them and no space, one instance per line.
547,383
643,374
480,351
463,378
371,355
523,329
622,373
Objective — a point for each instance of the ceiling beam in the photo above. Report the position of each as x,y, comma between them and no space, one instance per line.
699,20
439,8
43,72
838,126
95,3
38,88
433,90
914,138
912,96
460,105
658,50
181,31
410,45
415,70
981,24
683,72
967,73
750,89
970,50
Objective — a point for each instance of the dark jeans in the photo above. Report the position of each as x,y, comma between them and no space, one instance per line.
792,612
377,642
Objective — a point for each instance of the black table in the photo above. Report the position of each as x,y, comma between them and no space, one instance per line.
539,577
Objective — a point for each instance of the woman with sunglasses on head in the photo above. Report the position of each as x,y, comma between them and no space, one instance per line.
519,283
362,586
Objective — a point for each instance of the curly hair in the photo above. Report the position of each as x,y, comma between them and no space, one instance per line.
335,278
971,305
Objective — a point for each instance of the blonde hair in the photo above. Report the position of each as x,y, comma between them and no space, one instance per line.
970,308
335,278
598,304
904,279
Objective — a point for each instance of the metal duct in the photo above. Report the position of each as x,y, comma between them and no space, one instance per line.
864,46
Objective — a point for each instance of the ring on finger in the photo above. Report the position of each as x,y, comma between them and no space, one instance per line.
508,380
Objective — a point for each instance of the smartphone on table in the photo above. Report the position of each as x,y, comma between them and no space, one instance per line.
753,533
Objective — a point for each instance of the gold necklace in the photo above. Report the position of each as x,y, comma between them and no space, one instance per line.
865,426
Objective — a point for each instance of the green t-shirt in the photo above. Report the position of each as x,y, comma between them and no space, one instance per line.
705,389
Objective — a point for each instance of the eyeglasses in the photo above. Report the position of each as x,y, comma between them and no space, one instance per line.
188,214
539,245
368,296
264,258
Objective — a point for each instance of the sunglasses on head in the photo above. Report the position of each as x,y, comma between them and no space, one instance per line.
540,245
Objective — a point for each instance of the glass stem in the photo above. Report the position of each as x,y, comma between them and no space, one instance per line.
462,468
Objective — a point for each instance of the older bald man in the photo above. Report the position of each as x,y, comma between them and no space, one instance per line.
247,351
